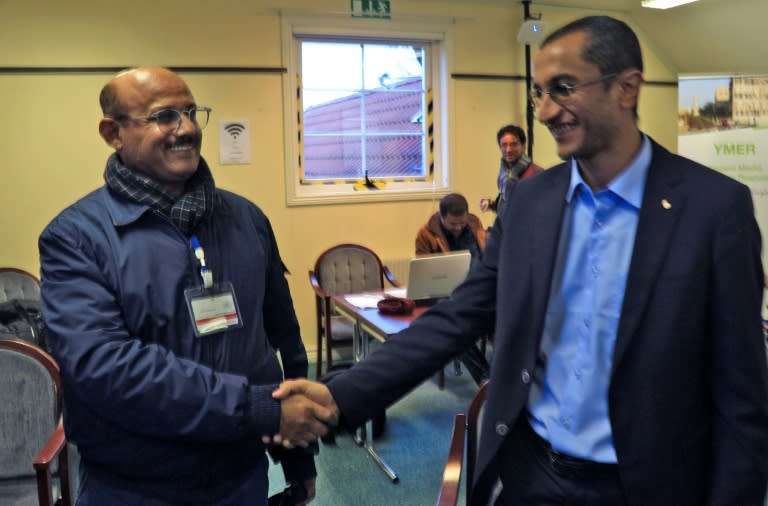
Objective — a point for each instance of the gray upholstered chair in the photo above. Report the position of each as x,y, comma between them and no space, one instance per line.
34,466
18,284
465,435
344,268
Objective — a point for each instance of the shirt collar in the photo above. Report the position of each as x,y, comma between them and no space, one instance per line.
629,184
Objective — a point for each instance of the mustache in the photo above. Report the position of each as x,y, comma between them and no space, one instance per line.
184,140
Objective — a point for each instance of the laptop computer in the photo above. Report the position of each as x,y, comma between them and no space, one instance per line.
433,277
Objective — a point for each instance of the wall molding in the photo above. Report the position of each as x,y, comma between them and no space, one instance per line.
517,77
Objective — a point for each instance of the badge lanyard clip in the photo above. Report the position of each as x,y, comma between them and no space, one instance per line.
205,273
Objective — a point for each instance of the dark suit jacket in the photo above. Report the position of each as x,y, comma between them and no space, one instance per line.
688,397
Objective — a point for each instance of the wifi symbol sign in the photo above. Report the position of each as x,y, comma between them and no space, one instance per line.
235,129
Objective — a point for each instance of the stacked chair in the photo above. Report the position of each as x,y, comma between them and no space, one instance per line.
34,458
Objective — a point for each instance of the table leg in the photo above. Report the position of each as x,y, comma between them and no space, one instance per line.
364,435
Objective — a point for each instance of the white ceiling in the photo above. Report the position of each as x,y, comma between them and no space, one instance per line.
705,37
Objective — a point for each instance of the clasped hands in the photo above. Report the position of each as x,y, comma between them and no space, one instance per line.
307,411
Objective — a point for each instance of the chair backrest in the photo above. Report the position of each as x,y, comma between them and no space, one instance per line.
474,422
451,482
465,434
18,284
348,268
30,405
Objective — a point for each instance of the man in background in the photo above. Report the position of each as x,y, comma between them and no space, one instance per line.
166,302
454,228
514,165
629,364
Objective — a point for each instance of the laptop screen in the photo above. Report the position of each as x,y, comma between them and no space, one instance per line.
435,276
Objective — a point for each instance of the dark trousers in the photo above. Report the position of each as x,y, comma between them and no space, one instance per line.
534,475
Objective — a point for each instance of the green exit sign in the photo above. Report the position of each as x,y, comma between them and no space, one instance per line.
371,9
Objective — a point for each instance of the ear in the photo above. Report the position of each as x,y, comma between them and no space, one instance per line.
109,129
630,83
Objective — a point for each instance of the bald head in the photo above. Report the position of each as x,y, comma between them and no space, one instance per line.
133,87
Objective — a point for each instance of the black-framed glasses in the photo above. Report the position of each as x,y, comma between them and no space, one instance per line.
169,120
562,92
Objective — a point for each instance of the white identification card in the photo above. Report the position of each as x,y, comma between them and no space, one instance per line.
213,309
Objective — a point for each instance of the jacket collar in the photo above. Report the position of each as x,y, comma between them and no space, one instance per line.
628,185
121,210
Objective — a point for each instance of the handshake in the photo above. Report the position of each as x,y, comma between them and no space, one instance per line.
308,411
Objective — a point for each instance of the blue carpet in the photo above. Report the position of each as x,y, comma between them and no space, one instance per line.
414,443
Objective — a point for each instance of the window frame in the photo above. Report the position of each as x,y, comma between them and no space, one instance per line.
437,38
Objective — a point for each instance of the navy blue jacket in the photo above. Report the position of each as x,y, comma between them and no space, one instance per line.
150,406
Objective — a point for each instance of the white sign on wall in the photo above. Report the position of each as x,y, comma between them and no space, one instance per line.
234,142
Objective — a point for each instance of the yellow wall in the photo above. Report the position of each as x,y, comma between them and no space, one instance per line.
51,154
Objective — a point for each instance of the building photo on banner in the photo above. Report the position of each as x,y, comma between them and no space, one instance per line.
723,124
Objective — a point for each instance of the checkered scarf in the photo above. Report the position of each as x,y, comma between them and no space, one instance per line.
185,212
511,172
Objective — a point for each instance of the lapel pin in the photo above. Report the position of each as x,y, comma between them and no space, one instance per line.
665,204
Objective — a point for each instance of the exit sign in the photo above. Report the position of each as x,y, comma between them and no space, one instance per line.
371,9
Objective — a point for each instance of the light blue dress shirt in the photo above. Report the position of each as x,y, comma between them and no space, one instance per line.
569,396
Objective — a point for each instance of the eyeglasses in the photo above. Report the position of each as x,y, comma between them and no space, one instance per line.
169,120
562,92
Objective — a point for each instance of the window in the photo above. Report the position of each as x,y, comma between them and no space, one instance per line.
360,109
364,118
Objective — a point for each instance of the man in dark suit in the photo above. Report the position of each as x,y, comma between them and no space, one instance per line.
629,365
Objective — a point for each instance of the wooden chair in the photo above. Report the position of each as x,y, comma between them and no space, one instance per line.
344,268
465,434
34,460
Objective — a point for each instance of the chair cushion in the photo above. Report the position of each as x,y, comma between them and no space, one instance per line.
18,492
16,285
27,412
341,329
349,270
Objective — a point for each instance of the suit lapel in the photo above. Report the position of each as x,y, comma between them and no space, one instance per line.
663,203
550,205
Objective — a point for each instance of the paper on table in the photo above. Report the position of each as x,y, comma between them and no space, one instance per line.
369,300
363,301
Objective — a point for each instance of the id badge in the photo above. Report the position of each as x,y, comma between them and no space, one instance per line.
213,309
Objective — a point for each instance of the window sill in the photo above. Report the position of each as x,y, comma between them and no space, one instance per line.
313,195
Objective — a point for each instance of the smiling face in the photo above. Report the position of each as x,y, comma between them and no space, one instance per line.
586,124
511,148
171,158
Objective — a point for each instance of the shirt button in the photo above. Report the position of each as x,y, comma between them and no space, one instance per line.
525,376
502,429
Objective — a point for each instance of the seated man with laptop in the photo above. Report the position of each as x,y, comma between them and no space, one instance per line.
453,228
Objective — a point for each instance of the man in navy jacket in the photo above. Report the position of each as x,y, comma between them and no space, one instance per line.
629,365
166,302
